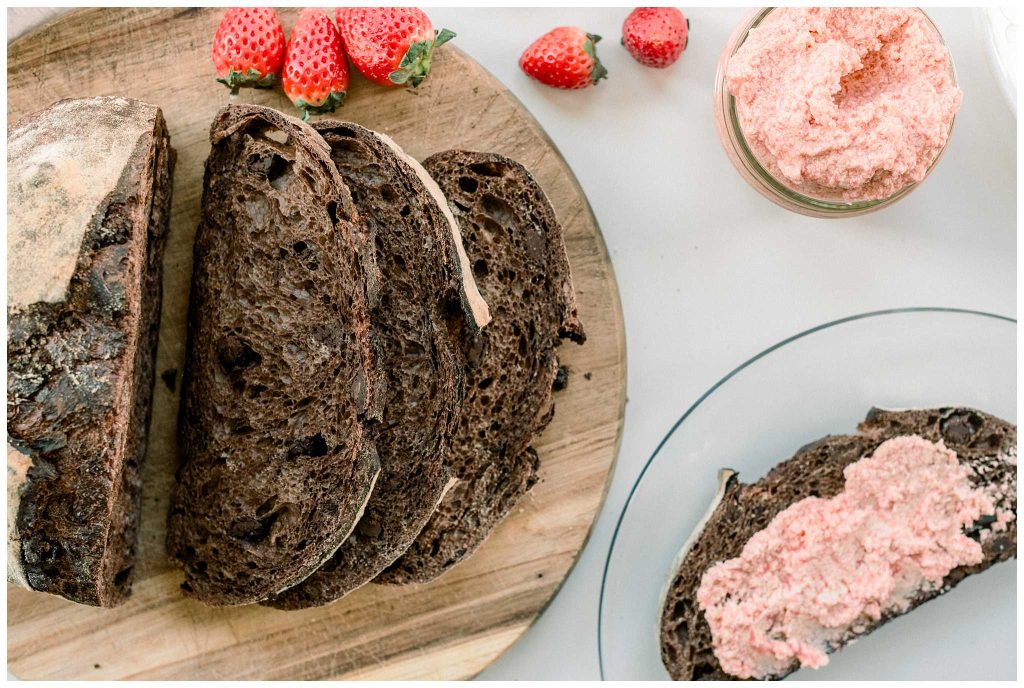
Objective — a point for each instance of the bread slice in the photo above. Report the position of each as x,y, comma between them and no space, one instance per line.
427,297
515,244
278,377
984,442
88,193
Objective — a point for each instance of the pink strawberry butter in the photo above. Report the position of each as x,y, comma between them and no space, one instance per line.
825,567
852,104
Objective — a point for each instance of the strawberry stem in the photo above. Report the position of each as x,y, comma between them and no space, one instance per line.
599,71
251,77
415,65
335,99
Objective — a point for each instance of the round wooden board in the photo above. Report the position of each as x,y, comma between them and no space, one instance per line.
448,629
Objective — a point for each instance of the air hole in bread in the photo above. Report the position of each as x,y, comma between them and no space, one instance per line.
276,135
460,206
702,669
299,247
682,632
404,212
498,210
332,210
278,171
235,354
266,507
122,576
487,169
253,531
485,383
959,427
254,391
480,268
468,184
312,446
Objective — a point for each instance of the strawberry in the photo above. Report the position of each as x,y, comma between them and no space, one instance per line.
390,45
248,48
315,75
564,58
656,36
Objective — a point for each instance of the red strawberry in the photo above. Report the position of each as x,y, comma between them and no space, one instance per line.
656,36
564,58
315,74
390,45
248,48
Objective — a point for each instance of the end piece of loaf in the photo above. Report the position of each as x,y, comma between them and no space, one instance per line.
89,192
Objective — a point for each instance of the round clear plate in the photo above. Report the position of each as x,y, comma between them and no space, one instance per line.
813,384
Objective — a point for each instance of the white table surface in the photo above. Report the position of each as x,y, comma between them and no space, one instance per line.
710,272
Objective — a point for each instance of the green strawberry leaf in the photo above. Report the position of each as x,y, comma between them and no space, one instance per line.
332,101
415,64
443,36
598,71
250,78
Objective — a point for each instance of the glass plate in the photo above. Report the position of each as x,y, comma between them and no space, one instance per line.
820,382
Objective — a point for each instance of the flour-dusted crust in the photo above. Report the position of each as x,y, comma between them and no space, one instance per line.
57,176
17,477
279,375
985,442
422,305
516,251
89,188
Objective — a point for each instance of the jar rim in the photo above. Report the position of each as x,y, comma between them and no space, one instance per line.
751,168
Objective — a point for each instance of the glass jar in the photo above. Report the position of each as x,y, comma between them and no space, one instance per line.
780,190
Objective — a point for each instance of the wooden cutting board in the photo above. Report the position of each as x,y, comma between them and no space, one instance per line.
451,628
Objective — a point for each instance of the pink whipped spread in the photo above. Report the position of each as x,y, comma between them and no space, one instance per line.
850,104
826,567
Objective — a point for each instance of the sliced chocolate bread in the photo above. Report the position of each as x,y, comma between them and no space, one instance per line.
985,444
276,466
88,202
426,299
515,244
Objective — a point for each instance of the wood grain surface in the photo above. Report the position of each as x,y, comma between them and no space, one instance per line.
451,628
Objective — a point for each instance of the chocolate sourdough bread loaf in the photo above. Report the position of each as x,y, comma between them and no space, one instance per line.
514,242
279,374
88,193
983,442
427,299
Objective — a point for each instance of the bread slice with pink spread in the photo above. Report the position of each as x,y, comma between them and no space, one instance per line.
851,532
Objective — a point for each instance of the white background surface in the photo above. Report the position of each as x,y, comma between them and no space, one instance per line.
710,272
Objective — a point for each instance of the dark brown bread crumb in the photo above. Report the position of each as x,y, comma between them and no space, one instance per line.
515,245
980,440
276,466
416,319
80,374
